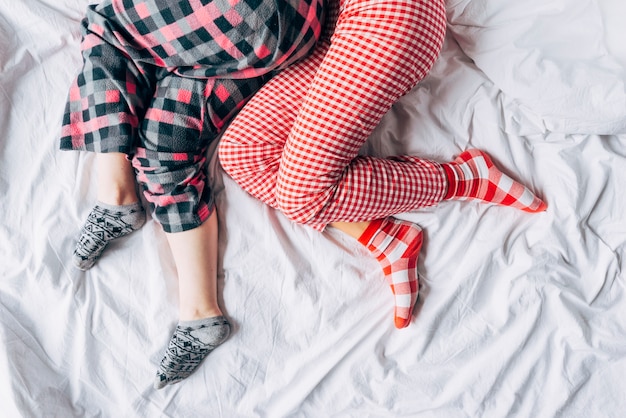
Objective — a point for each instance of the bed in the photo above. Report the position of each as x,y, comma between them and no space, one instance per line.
519,315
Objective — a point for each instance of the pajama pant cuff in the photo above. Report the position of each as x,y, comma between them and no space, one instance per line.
184,221
109,145
177,187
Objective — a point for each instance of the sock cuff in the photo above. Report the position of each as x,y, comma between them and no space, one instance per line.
372,228
194,323
451,180
120,208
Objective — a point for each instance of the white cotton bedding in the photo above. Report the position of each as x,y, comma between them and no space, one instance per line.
520,315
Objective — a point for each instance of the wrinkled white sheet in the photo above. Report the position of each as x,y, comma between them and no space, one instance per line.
520,315
549,55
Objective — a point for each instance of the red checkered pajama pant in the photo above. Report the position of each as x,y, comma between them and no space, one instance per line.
295,144
161,79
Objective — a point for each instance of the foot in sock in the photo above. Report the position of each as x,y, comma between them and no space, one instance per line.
396,245
191,343
104,224
473,175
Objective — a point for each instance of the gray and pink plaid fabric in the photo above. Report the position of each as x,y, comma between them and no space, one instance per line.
161,79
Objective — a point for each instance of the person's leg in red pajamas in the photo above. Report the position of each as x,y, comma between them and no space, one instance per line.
295,145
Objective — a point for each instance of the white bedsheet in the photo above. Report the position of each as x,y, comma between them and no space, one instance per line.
520,315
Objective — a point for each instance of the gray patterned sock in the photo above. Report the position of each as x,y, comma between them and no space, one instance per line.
191,343
104,224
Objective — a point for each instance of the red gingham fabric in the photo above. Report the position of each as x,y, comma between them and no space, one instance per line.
396,245
295,144
472,175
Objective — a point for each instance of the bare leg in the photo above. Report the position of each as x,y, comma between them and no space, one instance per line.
354,229
202,327
116,179
117,213
195,255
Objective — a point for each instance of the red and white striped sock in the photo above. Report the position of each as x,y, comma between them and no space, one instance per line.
396,245
473,175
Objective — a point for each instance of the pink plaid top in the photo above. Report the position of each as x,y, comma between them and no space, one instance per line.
207,38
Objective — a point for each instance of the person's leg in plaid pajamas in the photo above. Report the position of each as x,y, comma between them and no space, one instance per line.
171,165
295,144
159,83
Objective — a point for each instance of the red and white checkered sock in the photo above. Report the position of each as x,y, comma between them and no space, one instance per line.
396,245
473,175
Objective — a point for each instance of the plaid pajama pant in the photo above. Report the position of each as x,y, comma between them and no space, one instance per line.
161,79
295,144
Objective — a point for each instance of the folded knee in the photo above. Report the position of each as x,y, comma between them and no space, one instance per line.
176,186
300,204
252,165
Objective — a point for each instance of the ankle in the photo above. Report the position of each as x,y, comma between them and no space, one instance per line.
451,180
117,196
373,227
192,314
116,179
